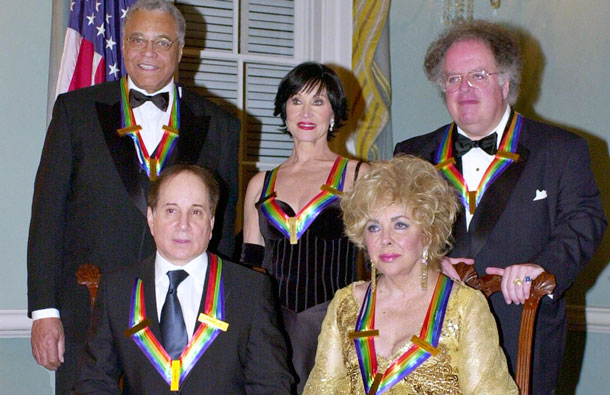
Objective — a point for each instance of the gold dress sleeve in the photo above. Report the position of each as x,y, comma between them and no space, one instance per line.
480,360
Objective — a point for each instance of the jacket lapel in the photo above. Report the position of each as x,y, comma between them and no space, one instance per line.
227,291
461,245
192,134
122,151
202,308
459,233
469,242
147,274
432,148
203,294
494,201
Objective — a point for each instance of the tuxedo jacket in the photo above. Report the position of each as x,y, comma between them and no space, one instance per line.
89,202
544,209
250,357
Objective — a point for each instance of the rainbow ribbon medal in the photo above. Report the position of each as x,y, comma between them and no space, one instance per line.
151,165
174,372
506,155
294,227
423,346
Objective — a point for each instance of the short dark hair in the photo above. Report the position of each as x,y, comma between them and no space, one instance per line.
169,173
160,6
503,45
308,76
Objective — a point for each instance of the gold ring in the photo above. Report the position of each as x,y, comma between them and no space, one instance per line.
517,282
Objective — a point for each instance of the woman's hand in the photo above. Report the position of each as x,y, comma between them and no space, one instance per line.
448,269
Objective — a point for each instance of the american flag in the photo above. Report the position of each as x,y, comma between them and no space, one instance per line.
92,48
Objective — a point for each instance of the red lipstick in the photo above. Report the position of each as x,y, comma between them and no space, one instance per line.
388,257
306,125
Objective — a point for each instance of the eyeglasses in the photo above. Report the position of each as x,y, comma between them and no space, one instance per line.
158,45
475,79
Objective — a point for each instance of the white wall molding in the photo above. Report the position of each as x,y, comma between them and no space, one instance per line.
589,319
16,324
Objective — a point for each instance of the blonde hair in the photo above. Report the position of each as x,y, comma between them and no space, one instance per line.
413,184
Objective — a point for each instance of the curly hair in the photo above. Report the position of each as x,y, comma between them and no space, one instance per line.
502,43
308,76
413,184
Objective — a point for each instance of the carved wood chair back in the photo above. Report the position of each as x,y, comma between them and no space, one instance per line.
89,275
541,286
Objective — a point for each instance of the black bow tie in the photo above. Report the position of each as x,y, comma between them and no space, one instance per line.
136,99
488,144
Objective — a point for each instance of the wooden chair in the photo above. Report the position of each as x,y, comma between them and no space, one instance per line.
89,275
489,284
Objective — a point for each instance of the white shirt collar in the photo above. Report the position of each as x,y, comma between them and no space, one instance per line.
196,268
167,88
498,129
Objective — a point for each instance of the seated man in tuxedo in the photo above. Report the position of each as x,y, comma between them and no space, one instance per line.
184,319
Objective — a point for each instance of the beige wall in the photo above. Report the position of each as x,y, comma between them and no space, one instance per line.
25,27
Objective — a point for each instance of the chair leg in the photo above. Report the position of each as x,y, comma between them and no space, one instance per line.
543,285
524,354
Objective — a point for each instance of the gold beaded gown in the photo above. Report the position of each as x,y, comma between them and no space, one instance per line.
470,360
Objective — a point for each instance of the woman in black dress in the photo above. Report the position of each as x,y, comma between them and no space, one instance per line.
293,226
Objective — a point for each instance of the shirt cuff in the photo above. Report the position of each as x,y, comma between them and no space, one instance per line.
45,313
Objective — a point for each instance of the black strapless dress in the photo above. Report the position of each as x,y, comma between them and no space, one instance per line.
308,274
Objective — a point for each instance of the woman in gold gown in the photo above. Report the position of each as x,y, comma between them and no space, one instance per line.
411,330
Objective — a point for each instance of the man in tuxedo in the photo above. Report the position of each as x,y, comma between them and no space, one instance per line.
530,200
175,297
104,145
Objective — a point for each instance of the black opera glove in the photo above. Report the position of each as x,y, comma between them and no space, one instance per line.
252,254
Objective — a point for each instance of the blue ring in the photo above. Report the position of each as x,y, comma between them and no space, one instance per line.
528,279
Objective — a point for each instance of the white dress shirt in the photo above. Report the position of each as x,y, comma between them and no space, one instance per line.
190,290
150,117
476,161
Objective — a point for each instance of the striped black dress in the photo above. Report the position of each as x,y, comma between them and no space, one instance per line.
308,274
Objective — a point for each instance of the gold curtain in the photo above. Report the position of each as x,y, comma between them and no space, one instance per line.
371,67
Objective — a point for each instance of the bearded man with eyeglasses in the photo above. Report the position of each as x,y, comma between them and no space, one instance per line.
103,147
530,203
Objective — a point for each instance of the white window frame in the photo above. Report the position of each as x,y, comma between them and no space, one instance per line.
322,32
